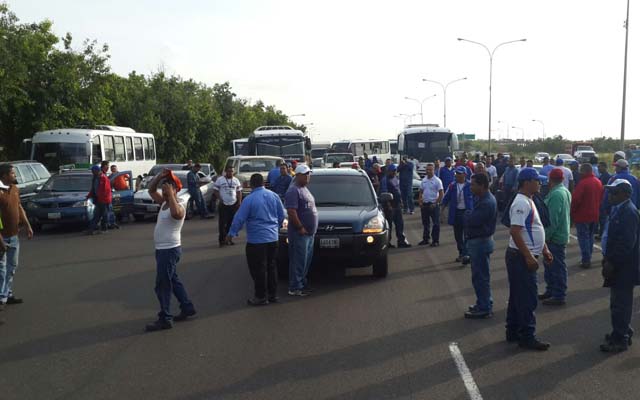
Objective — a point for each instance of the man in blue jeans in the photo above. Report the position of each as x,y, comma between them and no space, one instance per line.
480,225
303,224
405,172
459,198
166,237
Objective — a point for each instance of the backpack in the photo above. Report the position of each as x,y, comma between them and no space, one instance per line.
543,211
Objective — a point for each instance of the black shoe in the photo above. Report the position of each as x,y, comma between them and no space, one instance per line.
534,344
607,338
512,337
158,326
183,316
113,226
391,246
466,260
435,244
544,296
307,290
404,245
597,237
274,299
459,258
423,243
472,307
14,300
553,302
257,302
613,347
478,314
585,265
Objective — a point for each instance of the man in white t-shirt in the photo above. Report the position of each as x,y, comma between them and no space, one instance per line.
526,245
229,190
430,197
566,173
166,237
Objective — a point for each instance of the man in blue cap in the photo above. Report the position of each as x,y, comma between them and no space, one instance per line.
620,263
446,173
459,199
390,184
526,245
566,173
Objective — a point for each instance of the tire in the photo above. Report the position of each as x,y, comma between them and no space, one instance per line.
381,267
138,217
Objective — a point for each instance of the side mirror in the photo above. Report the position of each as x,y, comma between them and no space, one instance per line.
385,197
38,189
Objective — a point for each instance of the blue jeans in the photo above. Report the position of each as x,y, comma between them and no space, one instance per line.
167,282
430,213
399,222
407,198
8,266
585,239
300,256
458,232
555,274
523,297
621,306
196,195
100,215
111,216
480,250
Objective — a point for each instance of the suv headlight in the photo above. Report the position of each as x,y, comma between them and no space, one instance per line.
82,203
374,225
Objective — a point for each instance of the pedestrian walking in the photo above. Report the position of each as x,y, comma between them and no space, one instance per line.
585,211
263,214
459,199
558,202
228,189
195,194
100,194
567,174
303,224
620,263
168,250
526,245
111,215
390,184
405,172
447,173
430,198
13,219
480,225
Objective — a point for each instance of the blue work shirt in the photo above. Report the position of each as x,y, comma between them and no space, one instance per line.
511,177
281,184
546,169
391,185
263,213
192,181
273,175
481,221
446,175
605,233
405,171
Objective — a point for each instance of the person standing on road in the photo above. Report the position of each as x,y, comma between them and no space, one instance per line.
585,211
111,216
274,173
228,189
447,173
546,167
566,173
389,184
374,177
13,217
559,204
405,170
101,195
459,199
430,198
480,225
510,179
167,240
526,244
195,194
282,183
604,179
264,214
574,166
303,224
621,263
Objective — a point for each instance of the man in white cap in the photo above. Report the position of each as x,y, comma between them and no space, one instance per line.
303,224
619,155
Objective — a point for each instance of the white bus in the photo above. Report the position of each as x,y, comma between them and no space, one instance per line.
279,141
82,148
427,143
373,147
240,147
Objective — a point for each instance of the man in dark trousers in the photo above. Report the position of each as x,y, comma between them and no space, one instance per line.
390,184
620,263
604,177
101,195
459,198
431,194
405,172
263,213
229,190
585,211
195,194
480,225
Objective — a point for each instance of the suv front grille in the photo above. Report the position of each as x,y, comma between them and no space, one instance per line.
334,229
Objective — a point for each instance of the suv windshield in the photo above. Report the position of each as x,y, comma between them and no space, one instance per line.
256,165
68,183
159,168
337,190
331,158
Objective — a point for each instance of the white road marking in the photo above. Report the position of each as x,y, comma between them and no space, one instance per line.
594,245
467,378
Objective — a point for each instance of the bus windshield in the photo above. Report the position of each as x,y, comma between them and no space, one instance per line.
280,146
54,155
426,147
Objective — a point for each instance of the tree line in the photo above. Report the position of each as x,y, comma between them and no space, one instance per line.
47,84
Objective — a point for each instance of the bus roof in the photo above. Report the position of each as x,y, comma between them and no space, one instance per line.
68,134
424,128
361,140
278,132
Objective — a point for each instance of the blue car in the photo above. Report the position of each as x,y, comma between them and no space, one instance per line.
63,200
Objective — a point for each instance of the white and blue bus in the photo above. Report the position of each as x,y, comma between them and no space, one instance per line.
379,148
426,143
280,141
82,148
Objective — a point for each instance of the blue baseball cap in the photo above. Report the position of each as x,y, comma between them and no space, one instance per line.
448,159
573,162
461,170
528,174
559,161
392,168
95,168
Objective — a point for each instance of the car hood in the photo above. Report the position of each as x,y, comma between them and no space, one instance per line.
46,197
356,216
144,193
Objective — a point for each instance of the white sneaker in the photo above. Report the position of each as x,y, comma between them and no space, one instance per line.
298,293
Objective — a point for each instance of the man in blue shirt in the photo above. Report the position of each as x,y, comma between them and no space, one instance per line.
282,182
263,213
546,167
393,211
195,195
604,176
405,170
510,179
446,173
273,175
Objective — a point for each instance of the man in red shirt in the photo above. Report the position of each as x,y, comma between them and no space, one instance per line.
101,195
585,211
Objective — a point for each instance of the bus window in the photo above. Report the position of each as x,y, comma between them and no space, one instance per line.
137,145
109,148
119,148
96,150
129,141
149,149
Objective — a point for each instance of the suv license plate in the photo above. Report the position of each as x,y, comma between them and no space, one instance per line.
152,208
54,216
333,243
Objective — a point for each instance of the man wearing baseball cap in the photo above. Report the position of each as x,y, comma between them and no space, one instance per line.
459,199
526,245
447,173
558,203
620,263
393,210
303,224
566,173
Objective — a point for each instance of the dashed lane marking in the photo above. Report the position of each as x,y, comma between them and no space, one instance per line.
467,378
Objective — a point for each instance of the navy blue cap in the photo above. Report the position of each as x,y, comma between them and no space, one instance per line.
528,174
461,170
448,159
559,161
391,168
95,168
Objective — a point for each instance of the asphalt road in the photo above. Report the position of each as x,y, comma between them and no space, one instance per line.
79,334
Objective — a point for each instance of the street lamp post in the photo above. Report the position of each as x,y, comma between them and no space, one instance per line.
544,136
624,80
491,53
405,117
444,90
421,103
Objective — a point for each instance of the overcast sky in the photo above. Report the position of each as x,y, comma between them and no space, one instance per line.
348,65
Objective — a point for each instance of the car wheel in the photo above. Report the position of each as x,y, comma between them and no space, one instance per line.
138,217
381,267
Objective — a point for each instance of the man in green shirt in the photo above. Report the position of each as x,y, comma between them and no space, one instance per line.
558,202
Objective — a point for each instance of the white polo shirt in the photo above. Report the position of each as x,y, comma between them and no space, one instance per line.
523,213
228,189
430,189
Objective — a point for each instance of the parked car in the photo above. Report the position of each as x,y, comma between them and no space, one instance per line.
352,230
144,205
539,157
31,175
585,156
245,166
157,169
565,157
63,200
633,157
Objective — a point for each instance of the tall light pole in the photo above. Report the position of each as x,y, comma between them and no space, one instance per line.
491,53
624,80
543,131
444,90
421,103
516,127
405,117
